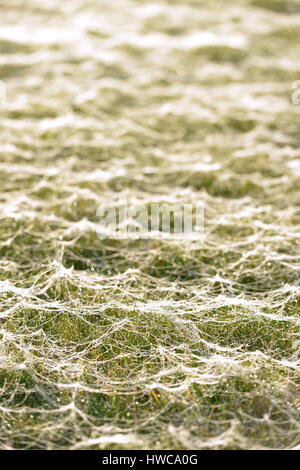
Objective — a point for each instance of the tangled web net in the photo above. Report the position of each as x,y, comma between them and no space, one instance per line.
147,343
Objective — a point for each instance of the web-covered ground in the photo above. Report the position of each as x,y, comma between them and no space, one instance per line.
149,344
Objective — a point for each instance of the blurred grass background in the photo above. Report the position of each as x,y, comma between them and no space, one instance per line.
149,344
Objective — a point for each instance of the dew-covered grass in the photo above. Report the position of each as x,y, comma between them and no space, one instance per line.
149,343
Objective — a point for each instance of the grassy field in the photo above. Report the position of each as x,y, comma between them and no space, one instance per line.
115,344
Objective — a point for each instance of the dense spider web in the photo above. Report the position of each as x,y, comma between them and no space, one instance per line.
149,343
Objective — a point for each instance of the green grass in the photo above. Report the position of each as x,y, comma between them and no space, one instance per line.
119,344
